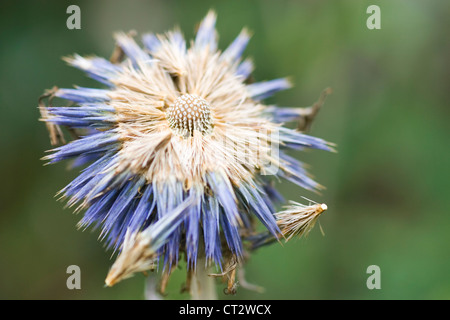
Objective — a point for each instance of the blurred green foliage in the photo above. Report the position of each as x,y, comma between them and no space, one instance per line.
387,188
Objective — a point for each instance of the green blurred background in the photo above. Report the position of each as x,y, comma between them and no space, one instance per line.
387,188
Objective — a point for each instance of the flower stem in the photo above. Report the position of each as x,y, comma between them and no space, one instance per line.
203,286
151,287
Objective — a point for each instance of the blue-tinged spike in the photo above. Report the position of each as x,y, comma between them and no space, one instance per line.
159,232
206,34
80,94
234,51
177,39
132,50
223,190
245,68
104,122
97,68
300,180
296,140
273,193
87,174
86,158
70,112
168,196
245,211
172,247
83,110
127,193
96,184
280,115
264,89
218,253
95,106
293,170
211,229
192,226
87,119
151,42
98,142
260,208
269,203
249,211
143,210
105,181
165,196
98,209
118,180
261,239
232,236
83,192
118,230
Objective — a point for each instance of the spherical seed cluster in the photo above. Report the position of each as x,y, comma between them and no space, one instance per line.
188,113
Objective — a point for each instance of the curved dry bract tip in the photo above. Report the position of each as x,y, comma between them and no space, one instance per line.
299,219
139,249
137,256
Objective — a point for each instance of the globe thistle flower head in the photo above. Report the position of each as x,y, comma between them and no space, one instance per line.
177,149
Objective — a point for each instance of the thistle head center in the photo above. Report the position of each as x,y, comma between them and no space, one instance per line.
189,113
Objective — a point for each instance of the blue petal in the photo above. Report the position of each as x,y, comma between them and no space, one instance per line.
280,115
234,51
168,196
95,169
127,193
264,89
151,42
81,94
206,34
162,231
293,171
132,50
98,209
143,210
296,140
99,122
245,68
97,68
224,192
260,208
273,193
259,240
178,40
94,143
232,236
192,226
211,231
84,110
92,188
86,158
119,228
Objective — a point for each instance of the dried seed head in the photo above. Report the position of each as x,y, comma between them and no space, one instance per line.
298,219
151,144
188,113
